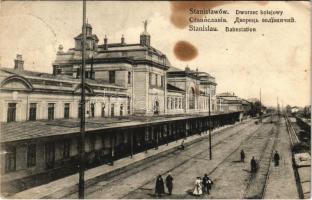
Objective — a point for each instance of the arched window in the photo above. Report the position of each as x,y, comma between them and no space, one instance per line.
129,77
192,99
156,108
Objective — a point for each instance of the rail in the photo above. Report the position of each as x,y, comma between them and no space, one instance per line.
291,131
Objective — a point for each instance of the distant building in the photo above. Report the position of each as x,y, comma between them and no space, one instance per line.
228,102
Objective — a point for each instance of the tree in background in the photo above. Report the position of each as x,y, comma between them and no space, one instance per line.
255,109
288,109
306,112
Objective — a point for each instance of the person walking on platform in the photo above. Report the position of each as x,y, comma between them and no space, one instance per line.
253,164
169,183
198,187
182,145
276,158
242,156
160,188
207,183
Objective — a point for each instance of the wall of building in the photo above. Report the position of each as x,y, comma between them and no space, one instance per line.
24,99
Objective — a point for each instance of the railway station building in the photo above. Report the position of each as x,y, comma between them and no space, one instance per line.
135,101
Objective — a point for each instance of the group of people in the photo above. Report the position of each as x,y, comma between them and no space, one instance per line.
253,162
160,188
202,186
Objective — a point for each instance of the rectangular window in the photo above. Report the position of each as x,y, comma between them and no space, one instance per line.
31,155
156,79
112,110
50,111
11,115
32,111
92,109
112,76
66,149
66,110
92,143
10,159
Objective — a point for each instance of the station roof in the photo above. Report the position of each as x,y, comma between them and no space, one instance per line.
27,130
174,88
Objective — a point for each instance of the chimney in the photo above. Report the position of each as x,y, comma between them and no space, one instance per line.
105,43
19,63
123,40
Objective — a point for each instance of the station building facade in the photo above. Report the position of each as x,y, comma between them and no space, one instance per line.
135,100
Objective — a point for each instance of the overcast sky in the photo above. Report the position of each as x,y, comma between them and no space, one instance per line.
276,58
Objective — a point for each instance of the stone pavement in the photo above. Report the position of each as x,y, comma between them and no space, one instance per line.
281,183
63,186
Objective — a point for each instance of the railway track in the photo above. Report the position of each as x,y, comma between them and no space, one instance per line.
291,132
191,158
257,183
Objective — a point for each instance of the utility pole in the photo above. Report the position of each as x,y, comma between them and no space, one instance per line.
260,108
82,111
278,109
209,127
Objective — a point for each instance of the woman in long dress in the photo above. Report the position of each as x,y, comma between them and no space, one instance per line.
198,187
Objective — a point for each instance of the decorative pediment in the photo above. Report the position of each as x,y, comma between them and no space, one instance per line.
16,83
88,89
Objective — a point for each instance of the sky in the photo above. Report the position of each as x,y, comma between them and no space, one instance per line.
276,58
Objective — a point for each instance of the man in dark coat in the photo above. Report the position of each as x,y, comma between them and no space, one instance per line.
253,164
242,155
207,183
169,183
276,158
160,188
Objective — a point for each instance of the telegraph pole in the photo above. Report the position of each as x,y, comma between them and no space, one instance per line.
209,127
82,111
260,108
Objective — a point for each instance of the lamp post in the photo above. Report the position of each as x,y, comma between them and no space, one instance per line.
82,111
